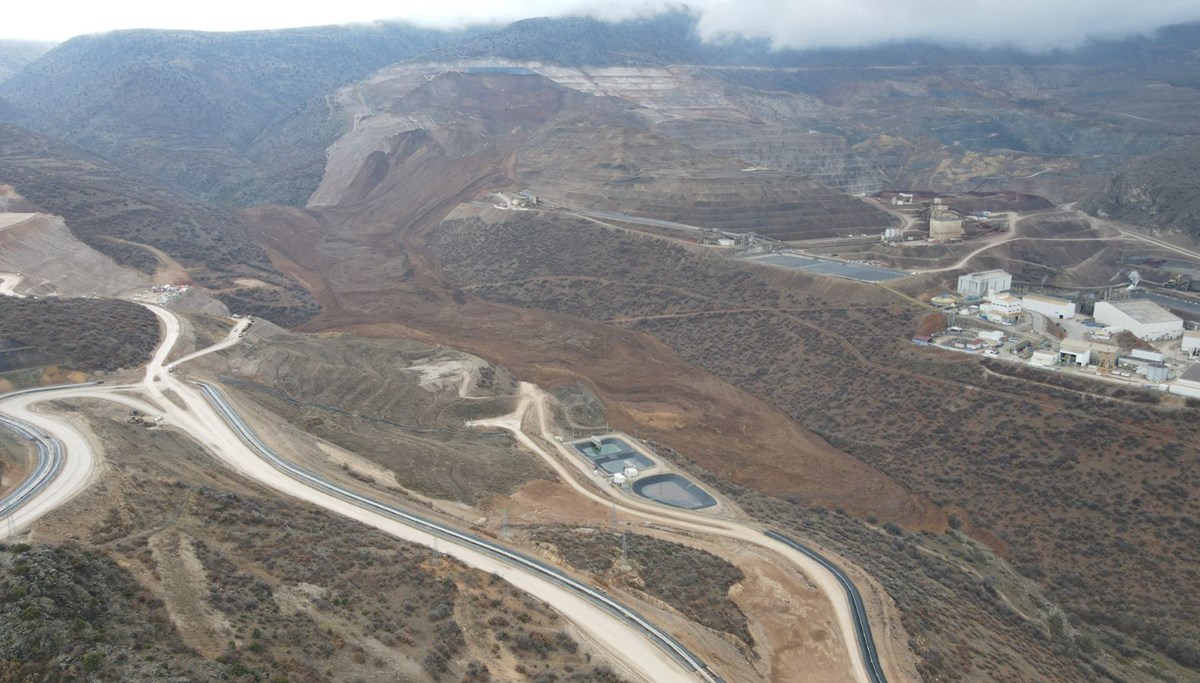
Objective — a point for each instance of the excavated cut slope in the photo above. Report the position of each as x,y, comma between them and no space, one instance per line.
52,260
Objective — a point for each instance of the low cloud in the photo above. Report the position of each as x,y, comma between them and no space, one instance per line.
1028,24
1034,25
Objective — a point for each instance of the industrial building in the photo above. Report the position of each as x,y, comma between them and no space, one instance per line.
1002,308
1081,353
1075,351
979,285
1155,372
944,224
1105,355
1188,383
1058,309
1044,359
1190,344
1145,319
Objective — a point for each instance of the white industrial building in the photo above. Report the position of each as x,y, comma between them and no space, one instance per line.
1058,309
979,285
1044,359
1190,344
1075,351
1145,319
1002,308
1188,383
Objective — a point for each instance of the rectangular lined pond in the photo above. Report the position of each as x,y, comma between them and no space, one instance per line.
851,271
611,454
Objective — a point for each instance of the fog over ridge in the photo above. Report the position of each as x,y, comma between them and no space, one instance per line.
1034,25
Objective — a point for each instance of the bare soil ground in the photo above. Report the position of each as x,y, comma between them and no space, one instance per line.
53,260
399,404
255,586
934,424
199,331
768,380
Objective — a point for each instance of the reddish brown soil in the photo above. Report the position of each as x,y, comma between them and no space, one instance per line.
365,260
396,291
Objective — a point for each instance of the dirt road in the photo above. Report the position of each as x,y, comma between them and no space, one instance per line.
9,283
181,405
534,399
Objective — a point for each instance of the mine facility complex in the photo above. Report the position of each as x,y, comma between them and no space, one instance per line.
1133,340
614,458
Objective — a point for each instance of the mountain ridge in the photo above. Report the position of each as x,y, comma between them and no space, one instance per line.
188,106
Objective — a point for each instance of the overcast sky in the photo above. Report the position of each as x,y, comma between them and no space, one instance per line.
1032,24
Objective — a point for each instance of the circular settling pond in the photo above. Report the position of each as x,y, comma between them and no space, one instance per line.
673,490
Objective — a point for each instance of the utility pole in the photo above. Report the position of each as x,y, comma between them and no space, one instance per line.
614,517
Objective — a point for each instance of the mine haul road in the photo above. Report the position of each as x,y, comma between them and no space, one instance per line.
8,284
635,647
832,582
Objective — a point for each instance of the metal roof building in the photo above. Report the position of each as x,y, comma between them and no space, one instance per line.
1188,383
1145,319
1049,306
983,283
1191,342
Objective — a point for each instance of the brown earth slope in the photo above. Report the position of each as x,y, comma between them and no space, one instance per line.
171,565
100,202
753,373
1002,454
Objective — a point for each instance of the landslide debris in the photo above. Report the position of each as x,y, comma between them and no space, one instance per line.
1046,477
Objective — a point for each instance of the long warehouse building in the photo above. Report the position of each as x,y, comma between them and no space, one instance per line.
1059,309
1145,319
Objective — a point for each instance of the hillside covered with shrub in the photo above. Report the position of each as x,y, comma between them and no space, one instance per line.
79,334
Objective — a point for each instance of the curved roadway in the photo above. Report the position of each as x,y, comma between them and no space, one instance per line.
209,419
852,619
634,644
8,284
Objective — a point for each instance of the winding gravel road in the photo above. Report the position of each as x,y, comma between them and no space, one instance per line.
635,646
8,284
161,394
846,604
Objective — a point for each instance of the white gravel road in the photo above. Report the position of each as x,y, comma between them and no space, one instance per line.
628,649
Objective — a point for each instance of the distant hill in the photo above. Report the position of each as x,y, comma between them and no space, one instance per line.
1160,191
101,202
671,38
575,41
188,107
246,118
15,54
